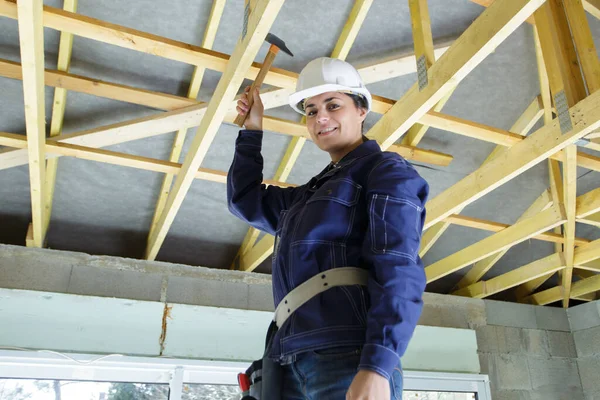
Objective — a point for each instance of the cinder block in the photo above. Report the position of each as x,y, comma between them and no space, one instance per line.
553,374
511,395
35,275
260,298
104,282
561,344
511,314
431,316
552,319
589,370
587,342
592,395
455,318
212,293
509,340
486,363
567,393
511,372
487,339
584,316
535,342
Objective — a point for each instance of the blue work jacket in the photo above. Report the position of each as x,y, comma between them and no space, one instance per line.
366,211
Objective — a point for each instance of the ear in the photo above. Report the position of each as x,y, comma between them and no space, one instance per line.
362,114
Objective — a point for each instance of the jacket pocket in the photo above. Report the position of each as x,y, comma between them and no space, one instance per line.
276,265
342,191
395,226
330,212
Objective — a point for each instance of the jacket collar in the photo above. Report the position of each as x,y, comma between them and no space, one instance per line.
367,147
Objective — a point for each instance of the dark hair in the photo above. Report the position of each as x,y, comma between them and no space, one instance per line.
359,102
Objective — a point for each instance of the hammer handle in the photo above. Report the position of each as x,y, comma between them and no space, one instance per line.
240,119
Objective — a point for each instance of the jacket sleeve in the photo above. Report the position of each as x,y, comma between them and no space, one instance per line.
247,197
396,197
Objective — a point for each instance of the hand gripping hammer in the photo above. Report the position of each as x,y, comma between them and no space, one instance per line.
276,45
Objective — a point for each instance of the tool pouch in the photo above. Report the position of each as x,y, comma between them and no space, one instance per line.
265,375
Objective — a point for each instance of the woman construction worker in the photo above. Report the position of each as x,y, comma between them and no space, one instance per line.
347,277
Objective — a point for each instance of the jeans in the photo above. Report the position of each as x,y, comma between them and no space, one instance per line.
327,375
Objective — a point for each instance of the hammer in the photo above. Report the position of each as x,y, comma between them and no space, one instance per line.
276,45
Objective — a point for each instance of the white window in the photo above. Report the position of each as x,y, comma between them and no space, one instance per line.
47,376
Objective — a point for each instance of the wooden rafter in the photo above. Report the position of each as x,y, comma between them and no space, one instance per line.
483,266
562,65
261,18
209,37
477,42
342,48
133,39
31,38
585,117
116,158
542,203
506,238
59,104
522,126
424,55
482,289
583,255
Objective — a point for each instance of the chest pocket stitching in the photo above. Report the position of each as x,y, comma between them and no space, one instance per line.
385,250
350,201
278,233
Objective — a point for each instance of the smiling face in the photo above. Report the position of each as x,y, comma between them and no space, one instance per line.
334,123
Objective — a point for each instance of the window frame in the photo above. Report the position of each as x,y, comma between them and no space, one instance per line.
45,364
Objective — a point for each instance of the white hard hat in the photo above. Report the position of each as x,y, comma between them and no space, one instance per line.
324,75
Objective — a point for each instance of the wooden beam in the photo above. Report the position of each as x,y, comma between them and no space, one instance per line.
583,255
65,49
348,36
489,30
570,190
168,122
31,40
591,266
482,289
593,7
565,80
499,241
483,266
523,125
584,43
421,30
82,84
152,44
260,20
396,66
588,203
425,56
209,37
252,259
154,125
587,253
492,226
116,158
585,117
128,38
487,3
593,220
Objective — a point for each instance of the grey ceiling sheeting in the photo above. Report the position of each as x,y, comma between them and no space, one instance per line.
105,209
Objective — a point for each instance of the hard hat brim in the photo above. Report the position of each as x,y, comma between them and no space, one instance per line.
296,98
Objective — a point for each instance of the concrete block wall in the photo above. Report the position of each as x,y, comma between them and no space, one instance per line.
529,352
585,324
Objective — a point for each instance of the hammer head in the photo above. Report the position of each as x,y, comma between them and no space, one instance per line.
274,40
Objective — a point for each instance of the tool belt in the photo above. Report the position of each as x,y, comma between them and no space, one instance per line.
263,380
